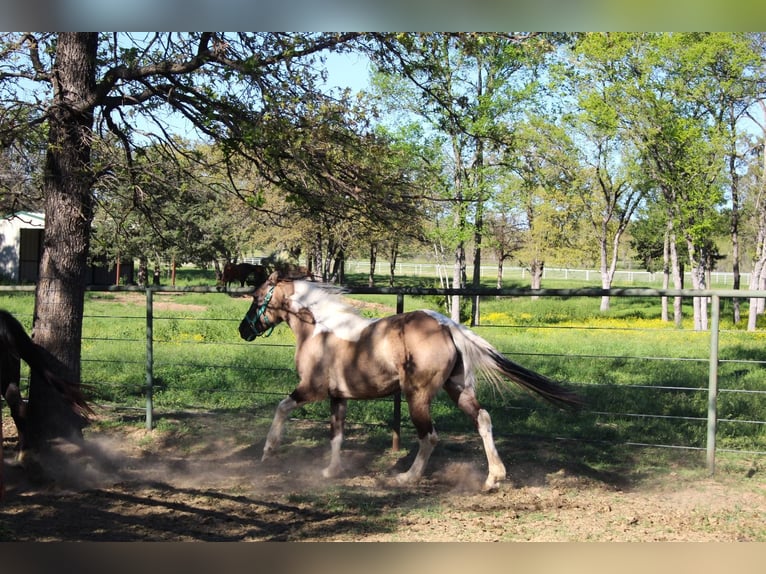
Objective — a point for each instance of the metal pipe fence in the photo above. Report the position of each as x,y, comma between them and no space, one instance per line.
149,367
623,276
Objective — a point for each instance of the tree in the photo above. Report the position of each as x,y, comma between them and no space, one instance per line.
684,150
469,88
504,238
87,80
755,181
21,162
660,80
612,187
547,191
721,76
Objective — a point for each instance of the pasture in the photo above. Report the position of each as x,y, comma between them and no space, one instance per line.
587,476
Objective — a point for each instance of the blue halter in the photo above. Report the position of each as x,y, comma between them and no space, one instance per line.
261,314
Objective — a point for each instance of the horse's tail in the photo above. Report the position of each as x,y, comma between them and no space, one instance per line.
480,356
14,339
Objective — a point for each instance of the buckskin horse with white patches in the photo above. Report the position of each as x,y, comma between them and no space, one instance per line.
345,356
15,345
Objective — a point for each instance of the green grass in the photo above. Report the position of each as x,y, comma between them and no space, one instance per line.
615,360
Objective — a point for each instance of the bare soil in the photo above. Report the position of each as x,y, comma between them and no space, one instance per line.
198,476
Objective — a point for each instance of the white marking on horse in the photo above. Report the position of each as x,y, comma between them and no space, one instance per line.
331,314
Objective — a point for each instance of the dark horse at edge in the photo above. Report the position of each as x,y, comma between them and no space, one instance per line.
16,345
242,272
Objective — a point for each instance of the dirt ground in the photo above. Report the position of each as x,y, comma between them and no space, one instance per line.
198,477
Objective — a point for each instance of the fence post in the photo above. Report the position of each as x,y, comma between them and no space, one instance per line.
397,422
712,399
149,358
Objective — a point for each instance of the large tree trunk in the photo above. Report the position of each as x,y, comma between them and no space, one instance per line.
68,215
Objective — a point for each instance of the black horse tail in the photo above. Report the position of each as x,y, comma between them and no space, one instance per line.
15,341
548,389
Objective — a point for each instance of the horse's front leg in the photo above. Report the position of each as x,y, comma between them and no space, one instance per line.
337,420
286,406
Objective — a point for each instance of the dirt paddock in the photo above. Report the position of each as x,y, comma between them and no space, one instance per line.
199,478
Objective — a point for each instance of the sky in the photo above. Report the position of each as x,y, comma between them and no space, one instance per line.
348,70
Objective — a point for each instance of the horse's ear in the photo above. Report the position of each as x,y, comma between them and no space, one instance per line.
273,278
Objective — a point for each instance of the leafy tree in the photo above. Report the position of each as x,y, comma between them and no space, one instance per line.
469,88
754,184
504,238
684,151
662,87
611,181
21,163
547,196
232,88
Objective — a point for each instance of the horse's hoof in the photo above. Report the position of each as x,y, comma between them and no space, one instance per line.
331,472
405,479
490,486
492,483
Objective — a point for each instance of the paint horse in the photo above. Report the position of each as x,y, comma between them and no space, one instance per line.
345,356
15,345
241,272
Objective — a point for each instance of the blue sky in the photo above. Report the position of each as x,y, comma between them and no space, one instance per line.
348,70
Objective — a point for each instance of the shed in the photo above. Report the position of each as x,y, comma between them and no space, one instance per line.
21,245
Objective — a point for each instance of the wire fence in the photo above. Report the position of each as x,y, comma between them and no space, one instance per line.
166,348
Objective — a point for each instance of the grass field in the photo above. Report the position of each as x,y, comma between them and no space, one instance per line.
644,381
571,476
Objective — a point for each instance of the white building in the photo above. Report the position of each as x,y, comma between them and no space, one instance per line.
21,242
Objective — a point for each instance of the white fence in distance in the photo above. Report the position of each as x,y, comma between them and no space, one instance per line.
717,279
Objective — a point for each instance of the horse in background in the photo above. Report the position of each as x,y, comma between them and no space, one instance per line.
242,272
16,345
343,356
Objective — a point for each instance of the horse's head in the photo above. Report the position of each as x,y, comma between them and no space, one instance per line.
266,311
229,272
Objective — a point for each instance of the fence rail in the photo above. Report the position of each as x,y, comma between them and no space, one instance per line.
710,418
430,269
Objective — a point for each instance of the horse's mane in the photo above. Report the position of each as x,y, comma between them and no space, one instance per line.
330,311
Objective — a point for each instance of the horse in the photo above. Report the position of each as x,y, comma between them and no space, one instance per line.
345,356
15,345
241,272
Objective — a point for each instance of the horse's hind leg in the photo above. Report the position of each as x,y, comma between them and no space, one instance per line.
420,414
19,415
465,399
286,406
337,419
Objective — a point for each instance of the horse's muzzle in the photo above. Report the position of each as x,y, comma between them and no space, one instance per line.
246,331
